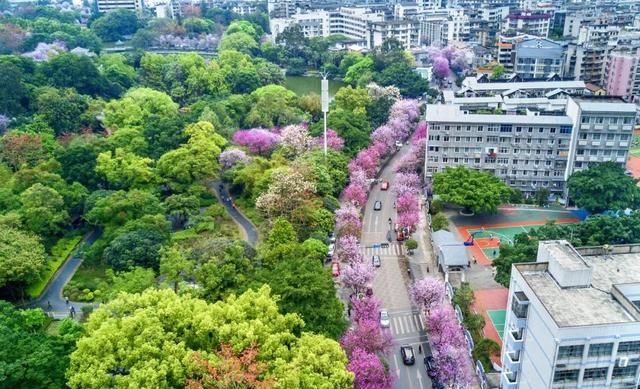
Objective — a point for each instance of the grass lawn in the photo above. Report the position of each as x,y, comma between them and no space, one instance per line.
635,151
59,253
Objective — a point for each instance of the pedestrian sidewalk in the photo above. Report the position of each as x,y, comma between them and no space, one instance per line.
422,262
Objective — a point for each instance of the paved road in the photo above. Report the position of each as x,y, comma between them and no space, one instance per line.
221,192
51,299
389,283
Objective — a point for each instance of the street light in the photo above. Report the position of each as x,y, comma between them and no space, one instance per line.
324,99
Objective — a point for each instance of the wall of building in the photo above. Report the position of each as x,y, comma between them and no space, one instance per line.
620,74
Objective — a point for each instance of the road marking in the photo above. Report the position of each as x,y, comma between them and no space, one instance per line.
419,376
395,362
399,322
421,322
376,223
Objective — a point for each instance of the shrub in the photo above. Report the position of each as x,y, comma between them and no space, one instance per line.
439,222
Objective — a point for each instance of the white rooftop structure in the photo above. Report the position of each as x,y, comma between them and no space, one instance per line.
453,113
473,84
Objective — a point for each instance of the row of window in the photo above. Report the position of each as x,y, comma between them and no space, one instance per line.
534,163
501,150
598,373
606,153
496,139
598,136
598,349
503,128
607,120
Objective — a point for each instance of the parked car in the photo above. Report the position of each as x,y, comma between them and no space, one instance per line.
430,365
332,237
332,248
384,185
375,260
335,269
399,236
377,205
384,318
408,357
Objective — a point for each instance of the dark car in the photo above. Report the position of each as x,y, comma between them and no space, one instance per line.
430,364
377,205
376,261
408,357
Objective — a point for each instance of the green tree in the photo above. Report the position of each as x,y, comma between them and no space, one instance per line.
136,280
353,127
484,350
30,358
360,73
116,69
136,248
180,207
195,160
476,191
14,98
273,105
404,76
352,99
174,265
523,249
117,208
116,351
22,257
114,25
603,187
75,71
541,196
137,107
43,210
61,109
439,222
124,170
238,41
498,71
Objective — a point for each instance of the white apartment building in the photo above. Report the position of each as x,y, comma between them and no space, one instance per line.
529,143
534,23
440,27
109,5
316,23
573,319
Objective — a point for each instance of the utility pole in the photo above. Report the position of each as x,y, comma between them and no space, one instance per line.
324,98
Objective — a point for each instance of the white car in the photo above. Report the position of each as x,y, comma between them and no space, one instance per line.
332,248
398,143
384,318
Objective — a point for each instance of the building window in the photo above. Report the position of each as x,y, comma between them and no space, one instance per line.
503,150
541,130
479,139
518,129
583,136
624,137
593,152
611,136
599,373
600,349
530,129
552,130
480,128
595,136
505,128
565,129
570,351
629,347
585,119
580,152
624,372
566,375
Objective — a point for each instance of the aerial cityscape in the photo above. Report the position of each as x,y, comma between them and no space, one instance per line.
367,194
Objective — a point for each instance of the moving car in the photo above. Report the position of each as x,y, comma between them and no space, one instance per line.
377,205
430,364
408,357
332,248
384,318
384,185
375,260
398,143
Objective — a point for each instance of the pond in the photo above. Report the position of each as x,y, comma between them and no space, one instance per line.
303,85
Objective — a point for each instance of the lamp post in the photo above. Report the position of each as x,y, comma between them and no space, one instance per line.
324,99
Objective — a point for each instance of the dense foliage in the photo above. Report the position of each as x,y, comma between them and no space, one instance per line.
604,187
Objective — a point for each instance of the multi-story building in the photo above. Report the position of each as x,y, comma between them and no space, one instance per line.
441,27
529,22
109,5
573,319
623,74
313,24
529,143
586,62
538,58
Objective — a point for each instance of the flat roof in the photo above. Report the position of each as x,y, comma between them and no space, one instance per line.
473,83
453,114
584,306
603,104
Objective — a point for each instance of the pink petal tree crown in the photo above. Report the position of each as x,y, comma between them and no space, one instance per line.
369,371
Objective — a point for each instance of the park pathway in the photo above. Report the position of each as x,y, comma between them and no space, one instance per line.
249,230
51,300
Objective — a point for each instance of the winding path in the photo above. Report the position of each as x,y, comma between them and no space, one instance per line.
221,192
51,300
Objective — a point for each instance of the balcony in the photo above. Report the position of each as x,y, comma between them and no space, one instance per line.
509,380
610,143
515,340
582,143
512,361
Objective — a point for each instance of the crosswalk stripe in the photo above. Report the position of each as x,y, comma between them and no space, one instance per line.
399,322
421,322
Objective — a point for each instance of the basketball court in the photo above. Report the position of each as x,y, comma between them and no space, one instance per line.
498,318
492,304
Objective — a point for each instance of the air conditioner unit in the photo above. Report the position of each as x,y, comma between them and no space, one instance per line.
623,362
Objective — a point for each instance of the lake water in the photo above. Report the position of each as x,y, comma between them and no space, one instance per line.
305,85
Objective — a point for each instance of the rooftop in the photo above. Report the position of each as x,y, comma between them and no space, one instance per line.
594,303
471,82
603,104
453,113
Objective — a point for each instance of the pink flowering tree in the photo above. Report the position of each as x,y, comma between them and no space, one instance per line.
355,194
407,181
408,107
357,276
348,221
420,133
441,67
334,141
230,157
409,220
257,140
406,202
366,308
385,135
453,366
348,250
408,164
367,335
427,293
369,371
366,160
444,328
